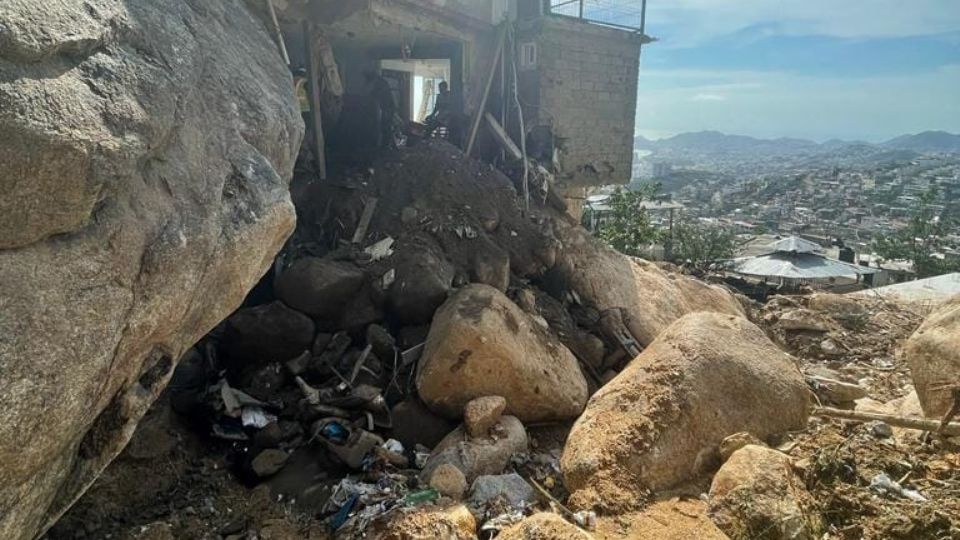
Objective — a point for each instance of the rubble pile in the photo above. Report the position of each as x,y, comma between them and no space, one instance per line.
847,346
428,360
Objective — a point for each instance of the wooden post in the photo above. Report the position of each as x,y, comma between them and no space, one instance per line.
478,115
922,424
276,29
503,138
313,81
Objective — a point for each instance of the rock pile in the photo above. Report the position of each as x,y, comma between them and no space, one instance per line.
411,340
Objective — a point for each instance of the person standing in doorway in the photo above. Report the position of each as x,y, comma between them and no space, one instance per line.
382,96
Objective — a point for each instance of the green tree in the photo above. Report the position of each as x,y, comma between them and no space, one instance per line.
701,244
626,226
922,241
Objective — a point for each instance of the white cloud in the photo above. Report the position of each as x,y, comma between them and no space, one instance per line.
689,22
708,97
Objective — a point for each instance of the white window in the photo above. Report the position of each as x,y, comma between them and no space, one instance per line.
528,55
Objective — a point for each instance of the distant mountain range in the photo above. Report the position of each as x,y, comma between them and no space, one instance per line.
714,142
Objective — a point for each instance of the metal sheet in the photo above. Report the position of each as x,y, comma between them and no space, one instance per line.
797,266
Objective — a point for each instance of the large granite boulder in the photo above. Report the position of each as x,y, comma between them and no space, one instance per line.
662,420
146,148
933,352
482,344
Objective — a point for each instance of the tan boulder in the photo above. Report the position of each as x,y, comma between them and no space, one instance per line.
803,320
757,495
544,526
449,522
661,420
482,344
449,481
483,413
652,298
933,352
734,442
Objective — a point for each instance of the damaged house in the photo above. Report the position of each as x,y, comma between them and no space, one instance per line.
560,89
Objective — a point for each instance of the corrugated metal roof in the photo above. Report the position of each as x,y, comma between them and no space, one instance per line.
794,243
797,266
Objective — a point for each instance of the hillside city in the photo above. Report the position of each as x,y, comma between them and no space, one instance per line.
839,194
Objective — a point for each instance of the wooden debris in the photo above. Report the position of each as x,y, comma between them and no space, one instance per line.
313,79
276,30
365,219
922,424
481,107
503,137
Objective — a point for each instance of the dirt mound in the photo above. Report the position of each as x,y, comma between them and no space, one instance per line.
859,339
544,526
661,421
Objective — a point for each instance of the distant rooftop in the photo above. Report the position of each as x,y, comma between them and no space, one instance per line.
930,291
795,244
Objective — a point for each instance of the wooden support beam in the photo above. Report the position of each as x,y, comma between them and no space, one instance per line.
481,107
364,223
276,30
922,424
313,80
503,137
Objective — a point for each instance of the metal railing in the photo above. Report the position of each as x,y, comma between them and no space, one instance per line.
622,14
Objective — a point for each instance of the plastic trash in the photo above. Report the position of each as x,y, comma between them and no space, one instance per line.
422,496
883,484
335,433
256,417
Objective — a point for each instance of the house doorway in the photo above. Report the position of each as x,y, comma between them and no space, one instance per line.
416,84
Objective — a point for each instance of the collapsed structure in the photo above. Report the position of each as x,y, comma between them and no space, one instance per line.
398,368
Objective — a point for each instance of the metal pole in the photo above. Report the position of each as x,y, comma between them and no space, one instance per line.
643,22
313,80
581,8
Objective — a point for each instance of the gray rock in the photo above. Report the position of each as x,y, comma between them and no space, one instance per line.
803,320
414,423
423,280
319,287
147,147
478,457
269,462
511,487
268,333
383,344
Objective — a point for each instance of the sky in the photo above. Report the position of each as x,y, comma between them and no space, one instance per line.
818,69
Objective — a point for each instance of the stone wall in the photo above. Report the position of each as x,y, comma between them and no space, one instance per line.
586,91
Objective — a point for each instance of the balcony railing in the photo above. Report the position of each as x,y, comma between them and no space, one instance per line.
622,14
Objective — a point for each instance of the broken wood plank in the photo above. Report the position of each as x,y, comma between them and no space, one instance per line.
481,107
922,424
359,364
503,137
276,30
319,145
365,219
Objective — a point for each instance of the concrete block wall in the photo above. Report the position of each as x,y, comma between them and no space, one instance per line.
588,94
